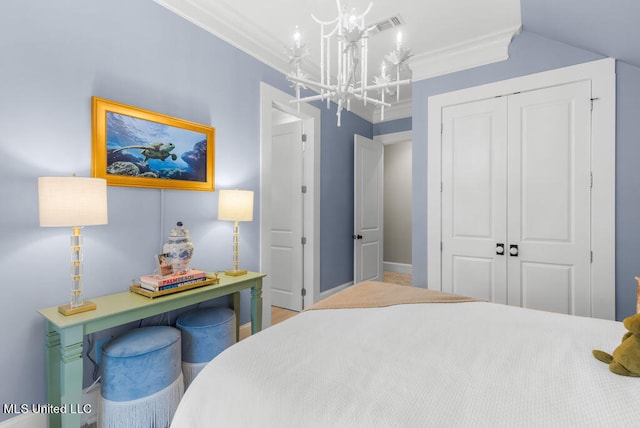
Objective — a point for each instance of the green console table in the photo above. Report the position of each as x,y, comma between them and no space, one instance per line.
64,334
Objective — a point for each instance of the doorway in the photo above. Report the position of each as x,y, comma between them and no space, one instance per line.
397,248
295,268
382,208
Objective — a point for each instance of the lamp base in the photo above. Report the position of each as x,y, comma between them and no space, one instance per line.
235,272
85,307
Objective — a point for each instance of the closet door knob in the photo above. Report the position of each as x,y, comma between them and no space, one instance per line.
513,250
500,249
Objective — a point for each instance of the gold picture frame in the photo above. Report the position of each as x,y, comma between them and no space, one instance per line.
134,147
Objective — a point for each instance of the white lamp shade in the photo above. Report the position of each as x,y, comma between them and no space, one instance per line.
72,201
235,205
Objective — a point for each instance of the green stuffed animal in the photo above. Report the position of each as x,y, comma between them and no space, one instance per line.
625,360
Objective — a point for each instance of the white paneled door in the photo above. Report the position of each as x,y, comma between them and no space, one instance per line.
516,190
474,210
368,209
287,216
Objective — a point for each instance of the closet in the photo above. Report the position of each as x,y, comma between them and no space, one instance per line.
516,183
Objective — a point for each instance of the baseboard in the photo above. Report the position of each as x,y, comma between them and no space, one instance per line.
26,420
398,267
323,295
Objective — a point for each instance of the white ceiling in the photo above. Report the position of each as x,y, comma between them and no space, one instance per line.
444,35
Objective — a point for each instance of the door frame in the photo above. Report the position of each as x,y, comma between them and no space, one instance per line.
601,73
270,97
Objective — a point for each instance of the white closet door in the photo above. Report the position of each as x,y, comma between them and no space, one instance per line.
549,199
474,162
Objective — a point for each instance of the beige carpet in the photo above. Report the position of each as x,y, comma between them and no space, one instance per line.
279,314
397,278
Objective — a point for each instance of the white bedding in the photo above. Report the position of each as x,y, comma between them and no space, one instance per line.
469,364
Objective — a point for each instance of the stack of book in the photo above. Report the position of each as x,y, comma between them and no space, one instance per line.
160,283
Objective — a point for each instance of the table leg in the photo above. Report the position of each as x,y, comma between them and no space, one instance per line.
236,309
256,306
70,375
52,355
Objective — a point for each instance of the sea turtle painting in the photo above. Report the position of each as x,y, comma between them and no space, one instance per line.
157,150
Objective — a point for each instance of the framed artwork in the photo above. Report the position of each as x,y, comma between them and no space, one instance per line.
138,148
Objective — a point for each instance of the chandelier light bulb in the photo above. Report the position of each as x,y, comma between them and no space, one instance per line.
297,37
352,21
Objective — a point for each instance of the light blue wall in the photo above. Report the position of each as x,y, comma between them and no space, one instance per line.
530,53
54,55
609,28
336,200
391,126
627,188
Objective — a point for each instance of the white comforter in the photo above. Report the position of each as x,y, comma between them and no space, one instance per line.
470,364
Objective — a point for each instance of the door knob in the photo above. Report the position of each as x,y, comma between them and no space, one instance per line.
356,236
500,249
513,250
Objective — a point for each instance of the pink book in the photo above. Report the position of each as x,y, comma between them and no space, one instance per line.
173,279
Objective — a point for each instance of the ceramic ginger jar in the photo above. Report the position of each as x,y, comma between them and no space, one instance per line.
179,247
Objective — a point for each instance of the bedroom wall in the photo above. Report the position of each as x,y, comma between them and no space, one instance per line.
530,53
55,56
611,30
336,200
391,126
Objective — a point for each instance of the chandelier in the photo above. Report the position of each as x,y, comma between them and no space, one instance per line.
347,37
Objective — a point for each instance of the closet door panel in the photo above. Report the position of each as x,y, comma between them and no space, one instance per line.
549,199
474,199
546,286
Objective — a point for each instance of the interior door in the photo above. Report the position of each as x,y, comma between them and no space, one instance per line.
474,155
549,199
287,216
368,209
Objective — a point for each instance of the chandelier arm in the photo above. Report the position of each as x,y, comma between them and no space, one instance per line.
365,12
372,100
326,95
332,32
311,83
387,85
398,78
324,22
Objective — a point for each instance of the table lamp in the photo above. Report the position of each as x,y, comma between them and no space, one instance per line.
73,202
235,205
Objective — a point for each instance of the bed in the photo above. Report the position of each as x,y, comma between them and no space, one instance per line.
416,358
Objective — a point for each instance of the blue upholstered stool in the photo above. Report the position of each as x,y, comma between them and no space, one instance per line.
205,333
142,380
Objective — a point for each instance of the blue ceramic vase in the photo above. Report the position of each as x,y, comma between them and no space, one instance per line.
179,247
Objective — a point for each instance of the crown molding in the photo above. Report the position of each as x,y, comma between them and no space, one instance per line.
227,24
473,53
398,110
